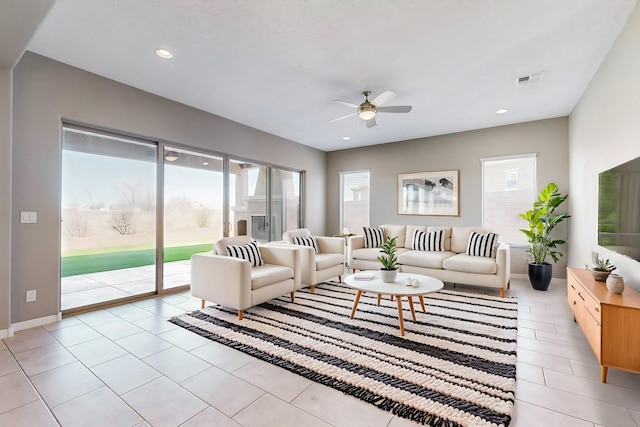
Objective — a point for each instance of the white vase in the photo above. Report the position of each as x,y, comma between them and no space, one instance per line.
388,276
615,284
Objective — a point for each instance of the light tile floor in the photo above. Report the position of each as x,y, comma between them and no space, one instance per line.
85,289
127,366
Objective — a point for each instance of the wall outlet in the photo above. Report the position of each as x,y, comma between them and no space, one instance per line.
28,217
31,295
594,257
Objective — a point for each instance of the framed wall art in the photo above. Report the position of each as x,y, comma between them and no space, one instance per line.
429,193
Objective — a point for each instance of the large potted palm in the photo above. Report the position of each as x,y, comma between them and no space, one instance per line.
542,220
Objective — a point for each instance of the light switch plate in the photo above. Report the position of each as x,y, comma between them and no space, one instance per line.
28,217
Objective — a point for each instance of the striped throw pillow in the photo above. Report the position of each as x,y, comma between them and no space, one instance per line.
431,241
306,241
373,237
481,244
249,252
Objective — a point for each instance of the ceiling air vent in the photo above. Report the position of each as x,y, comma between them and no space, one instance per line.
531,78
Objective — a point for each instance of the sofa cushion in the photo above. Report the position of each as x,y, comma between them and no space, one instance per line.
373,237
221,245
249,252
482,244
306,241
424,259
372,254
288,236
447,235
269,274
410,230
397,231
429,241
470,264
460,237
324,261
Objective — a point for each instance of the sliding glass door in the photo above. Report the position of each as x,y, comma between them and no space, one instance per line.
248,209
129,228
193,210
285,202
108,228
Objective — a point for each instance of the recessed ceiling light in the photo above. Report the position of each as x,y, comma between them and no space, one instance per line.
501,111
346,138
164,53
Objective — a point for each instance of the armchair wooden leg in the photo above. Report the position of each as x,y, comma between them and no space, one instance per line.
240,313
509,284
201,303
340,279
293,296
501,292
312,288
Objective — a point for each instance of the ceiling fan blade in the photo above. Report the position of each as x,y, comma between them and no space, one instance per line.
394,109
383,97
342,117
371,122
347,104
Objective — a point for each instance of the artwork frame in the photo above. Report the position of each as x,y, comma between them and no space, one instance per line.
435,193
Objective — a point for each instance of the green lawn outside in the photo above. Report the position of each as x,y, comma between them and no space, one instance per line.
85,264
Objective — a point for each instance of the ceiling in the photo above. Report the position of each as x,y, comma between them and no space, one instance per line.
278,65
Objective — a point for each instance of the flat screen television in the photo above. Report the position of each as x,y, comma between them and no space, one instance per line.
619,209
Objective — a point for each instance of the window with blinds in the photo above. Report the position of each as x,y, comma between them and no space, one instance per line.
508,188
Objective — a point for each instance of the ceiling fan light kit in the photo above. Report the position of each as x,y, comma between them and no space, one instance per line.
368,109
366,112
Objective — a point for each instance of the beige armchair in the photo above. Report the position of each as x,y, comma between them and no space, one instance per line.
234,283
324,265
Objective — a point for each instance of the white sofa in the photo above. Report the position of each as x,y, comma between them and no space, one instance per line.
234,283
451,265
326,264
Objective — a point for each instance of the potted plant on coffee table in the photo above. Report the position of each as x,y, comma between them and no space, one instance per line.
542,220
389,260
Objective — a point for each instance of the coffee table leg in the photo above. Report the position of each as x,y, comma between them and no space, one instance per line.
378,300
422,303
400,318
355,303
413,311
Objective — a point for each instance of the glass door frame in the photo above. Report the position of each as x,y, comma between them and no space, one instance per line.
160,215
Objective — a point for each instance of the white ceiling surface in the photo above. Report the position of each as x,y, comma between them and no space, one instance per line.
277,65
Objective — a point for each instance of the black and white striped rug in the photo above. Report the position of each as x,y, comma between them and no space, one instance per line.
455,366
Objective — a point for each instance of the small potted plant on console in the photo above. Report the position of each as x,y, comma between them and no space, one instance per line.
602,269
389,260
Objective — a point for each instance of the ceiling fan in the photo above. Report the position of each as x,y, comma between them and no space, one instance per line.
368,109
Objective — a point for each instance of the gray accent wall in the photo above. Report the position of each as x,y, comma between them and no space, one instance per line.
604,131
47,92
5,196
461,151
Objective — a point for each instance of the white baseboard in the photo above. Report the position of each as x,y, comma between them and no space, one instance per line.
4,333
33,323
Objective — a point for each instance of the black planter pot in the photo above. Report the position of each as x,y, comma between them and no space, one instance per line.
540,275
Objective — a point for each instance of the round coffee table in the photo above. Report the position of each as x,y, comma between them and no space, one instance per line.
397,289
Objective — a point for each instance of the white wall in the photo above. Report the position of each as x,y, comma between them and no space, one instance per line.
604,131
5,197
45,93
462,151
